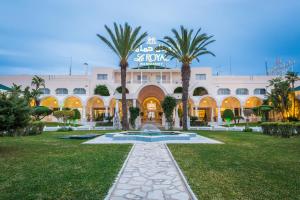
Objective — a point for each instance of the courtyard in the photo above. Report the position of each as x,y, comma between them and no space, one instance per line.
246,166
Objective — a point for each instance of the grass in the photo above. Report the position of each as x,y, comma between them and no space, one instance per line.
45,167
247,166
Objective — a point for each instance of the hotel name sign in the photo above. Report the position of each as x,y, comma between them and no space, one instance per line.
147,54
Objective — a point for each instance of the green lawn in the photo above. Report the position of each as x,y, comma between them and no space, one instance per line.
45,167
52,124
247,166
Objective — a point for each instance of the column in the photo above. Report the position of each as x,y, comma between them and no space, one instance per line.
171,78
177,121
83,114
219,115
106,111
161,77
117,106
91,114
134,103
212,115
141,77
131,78
242,112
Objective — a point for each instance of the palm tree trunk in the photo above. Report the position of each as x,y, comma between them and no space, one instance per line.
185,75
125,125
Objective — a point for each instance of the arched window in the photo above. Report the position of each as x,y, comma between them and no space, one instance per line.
223,91
260,91
61,91
178,90
200,91
44,90
79,91
242,91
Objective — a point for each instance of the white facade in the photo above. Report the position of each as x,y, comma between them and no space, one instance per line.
145,83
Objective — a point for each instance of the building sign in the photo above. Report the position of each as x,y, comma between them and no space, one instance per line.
147,55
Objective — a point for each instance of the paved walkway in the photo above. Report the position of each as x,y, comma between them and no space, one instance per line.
150,173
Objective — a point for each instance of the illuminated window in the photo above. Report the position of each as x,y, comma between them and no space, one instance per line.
242,91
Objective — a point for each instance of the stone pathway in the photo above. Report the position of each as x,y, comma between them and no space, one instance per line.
150,173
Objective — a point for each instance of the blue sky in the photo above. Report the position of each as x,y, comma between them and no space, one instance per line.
40,37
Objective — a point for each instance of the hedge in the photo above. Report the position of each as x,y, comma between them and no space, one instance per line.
283,129
33,128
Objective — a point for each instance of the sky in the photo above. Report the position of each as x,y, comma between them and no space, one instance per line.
45,37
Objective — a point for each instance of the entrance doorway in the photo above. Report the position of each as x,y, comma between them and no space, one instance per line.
150,98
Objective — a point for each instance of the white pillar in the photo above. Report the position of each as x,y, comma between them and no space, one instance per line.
171,78
212,115
177,120
141,77
242,112
83,114
106,111
131,78
161,77
219,115
134,103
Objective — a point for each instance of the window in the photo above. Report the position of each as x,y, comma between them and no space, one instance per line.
200,76
79,91
223,91
102,76
164,78
144,78
260,91
242,91
44,90
61,91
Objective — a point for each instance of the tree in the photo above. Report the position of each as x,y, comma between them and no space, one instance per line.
228,115
186,48
14,113
101,90
123,42
279,96
40,112
38,83
292,77
134,113
119,90
65,115
168,105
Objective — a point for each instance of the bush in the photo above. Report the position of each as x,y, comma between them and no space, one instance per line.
104,124
168,105
199,123
247,129
134,113
33,128
65,129
77,114
297,127
283,129
293,119
193,118
40,112
101,90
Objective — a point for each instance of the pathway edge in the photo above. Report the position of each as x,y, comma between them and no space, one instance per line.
112,188
183,178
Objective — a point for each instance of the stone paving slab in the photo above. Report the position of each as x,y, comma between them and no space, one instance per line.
151,174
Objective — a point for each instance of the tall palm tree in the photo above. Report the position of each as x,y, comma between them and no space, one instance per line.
38,83
292,77
186,47
123,42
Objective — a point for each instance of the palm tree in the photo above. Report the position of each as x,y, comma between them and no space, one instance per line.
123,42
37,82
292,77
185,48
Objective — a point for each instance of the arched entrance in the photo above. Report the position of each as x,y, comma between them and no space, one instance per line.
50,102
95,109
232,103
208,109
149,99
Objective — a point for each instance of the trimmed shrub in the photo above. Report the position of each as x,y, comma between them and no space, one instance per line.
101,90
134,113
297,127
199,123
247,129
283,129
104,124
40,112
